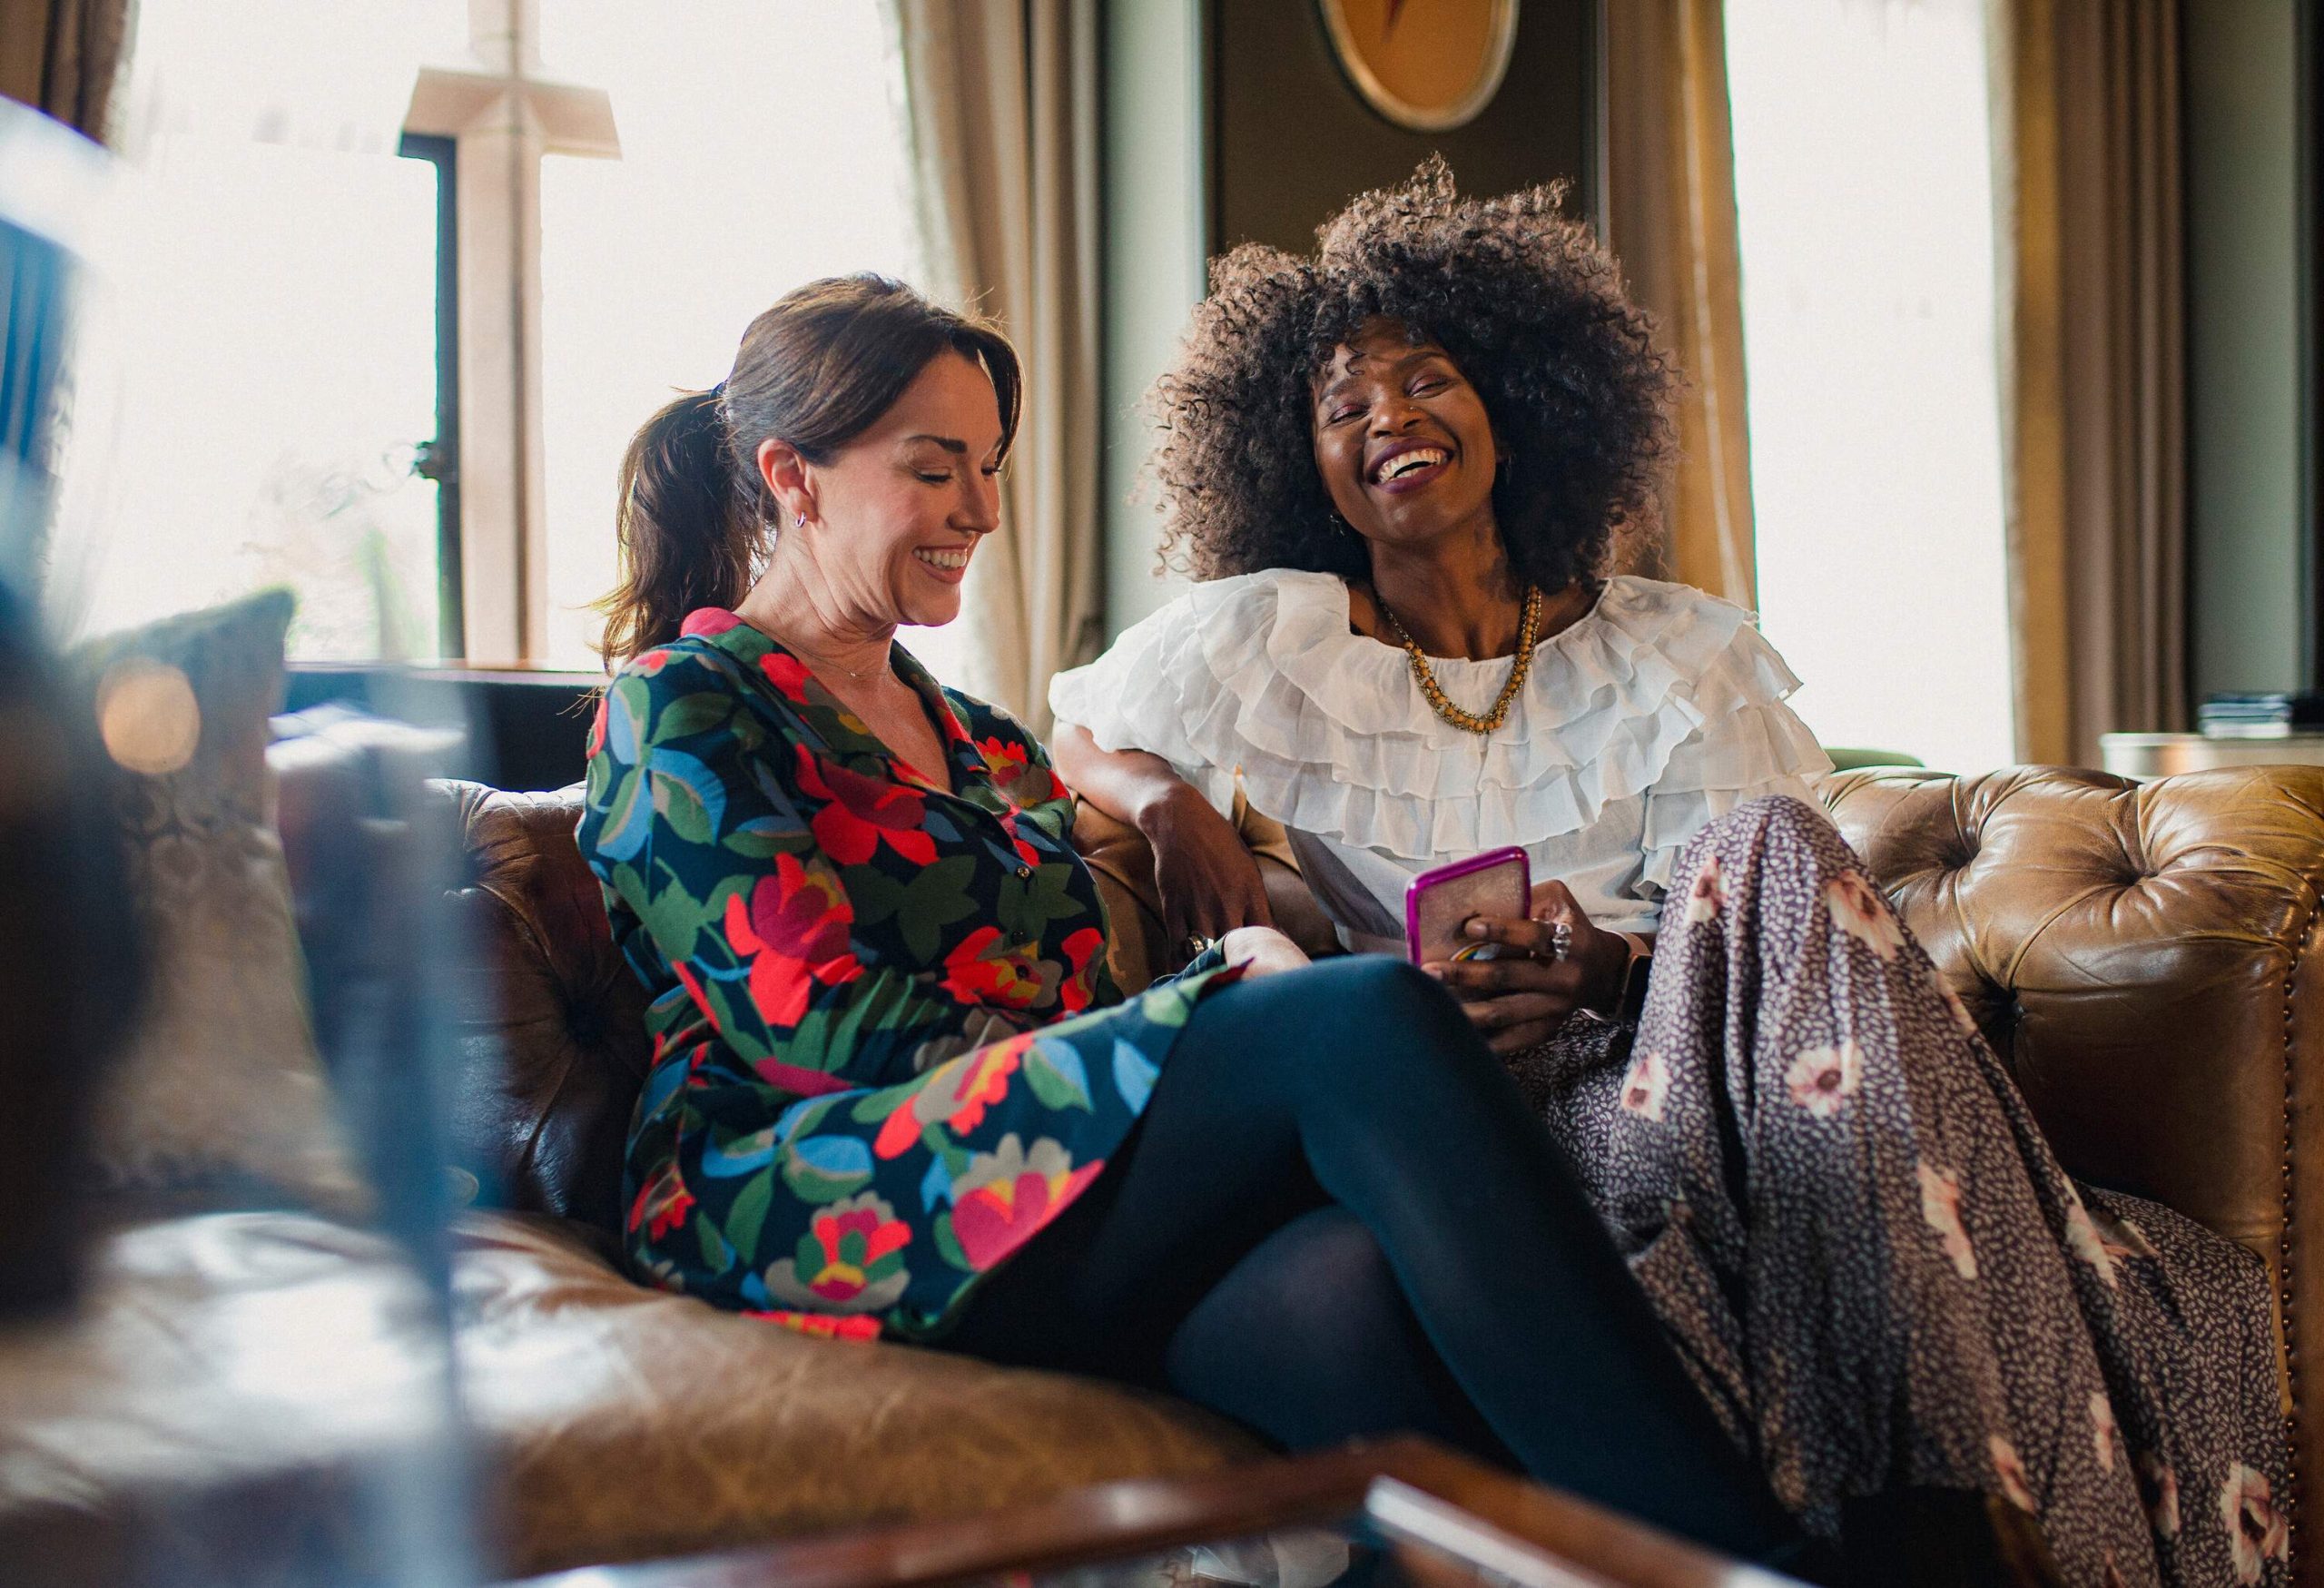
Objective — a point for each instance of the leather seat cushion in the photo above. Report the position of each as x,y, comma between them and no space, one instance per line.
229,1356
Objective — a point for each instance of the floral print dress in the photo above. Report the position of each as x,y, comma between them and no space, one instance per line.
887,1052
1872,1262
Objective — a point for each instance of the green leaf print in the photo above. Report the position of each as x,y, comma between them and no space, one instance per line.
692,714
763,838
628,885
1165,1006
948,1245
622,808
933,900
715,1253
679,805
747,1217
874,1108
873,895
1053,1085
675,918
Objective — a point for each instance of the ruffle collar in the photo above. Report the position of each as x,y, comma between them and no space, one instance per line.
1332,734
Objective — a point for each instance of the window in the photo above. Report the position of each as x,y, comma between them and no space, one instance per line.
738,180
263,338
1864,192
273,322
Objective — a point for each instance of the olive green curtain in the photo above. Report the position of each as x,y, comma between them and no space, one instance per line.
63,57
1669,217
1002,97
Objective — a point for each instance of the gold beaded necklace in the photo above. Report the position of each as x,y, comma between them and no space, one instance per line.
1529,630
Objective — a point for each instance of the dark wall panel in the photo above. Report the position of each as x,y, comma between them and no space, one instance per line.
1291,141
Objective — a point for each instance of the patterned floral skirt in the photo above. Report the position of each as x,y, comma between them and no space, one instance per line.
1871,1260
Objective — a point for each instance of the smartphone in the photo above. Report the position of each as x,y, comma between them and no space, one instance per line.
1438,903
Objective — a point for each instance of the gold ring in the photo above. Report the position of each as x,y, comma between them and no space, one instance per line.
1196,945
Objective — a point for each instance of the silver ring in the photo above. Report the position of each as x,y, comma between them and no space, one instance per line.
1561,941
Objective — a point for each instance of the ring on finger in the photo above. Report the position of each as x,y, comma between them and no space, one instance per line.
1561,942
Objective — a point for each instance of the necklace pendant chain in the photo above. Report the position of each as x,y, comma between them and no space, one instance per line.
1529,631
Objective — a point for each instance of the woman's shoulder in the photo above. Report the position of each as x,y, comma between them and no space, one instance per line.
1688,640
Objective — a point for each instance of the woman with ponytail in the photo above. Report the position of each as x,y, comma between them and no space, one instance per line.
895,1092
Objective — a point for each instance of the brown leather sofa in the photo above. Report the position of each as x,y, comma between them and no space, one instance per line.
2141,955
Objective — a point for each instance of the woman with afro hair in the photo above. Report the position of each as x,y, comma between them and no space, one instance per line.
1402,470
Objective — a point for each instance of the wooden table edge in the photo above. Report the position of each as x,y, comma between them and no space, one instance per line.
1412,1489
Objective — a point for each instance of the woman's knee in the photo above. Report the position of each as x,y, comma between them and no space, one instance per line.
1362,1014
1376,996
1777,831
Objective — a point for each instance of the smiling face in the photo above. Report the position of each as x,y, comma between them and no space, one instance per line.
1403,442
894,517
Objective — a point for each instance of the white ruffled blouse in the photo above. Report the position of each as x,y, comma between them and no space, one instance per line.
1658,710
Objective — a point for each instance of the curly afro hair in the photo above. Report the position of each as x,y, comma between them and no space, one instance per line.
1525,302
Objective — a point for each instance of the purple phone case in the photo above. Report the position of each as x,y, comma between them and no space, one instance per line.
1441,874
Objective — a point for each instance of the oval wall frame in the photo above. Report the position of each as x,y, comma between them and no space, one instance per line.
1427,65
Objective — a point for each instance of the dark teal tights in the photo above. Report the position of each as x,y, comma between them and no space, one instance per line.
1337,1217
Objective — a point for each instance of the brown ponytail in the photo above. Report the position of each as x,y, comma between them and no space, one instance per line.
816,370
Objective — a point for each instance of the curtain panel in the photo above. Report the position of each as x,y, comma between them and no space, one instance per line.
1002,100
63,57
1669,217
2090,250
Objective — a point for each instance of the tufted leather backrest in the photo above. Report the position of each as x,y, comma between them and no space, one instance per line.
2141,956
554,1038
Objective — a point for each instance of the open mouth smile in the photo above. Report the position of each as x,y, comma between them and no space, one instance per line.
951,562
1407,465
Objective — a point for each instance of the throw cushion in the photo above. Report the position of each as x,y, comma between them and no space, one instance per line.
221,1092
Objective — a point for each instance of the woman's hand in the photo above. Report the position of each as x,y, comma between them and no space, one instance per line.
1208,881
1525,997
1261,951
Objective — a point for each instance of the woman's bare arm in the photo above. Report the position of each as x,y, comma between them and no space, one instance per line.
1208,881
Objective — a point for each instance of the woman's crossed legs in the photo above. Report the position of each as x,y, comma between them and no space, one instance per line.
1339,1216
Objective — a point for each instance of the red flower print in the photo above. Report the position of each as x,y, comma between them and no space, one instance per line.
1646,1086
2083,1240
1006,1196
2103,1428
1941,1210
984,967
661,1204
1081,951
795,932
788,674
709,623
2256,1532
1858,910
1708,897
2120,1239
823,1325
2011,1471
1025,852
1823,1079
1015,775
860,812
848,1261
957,1091
1007,762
